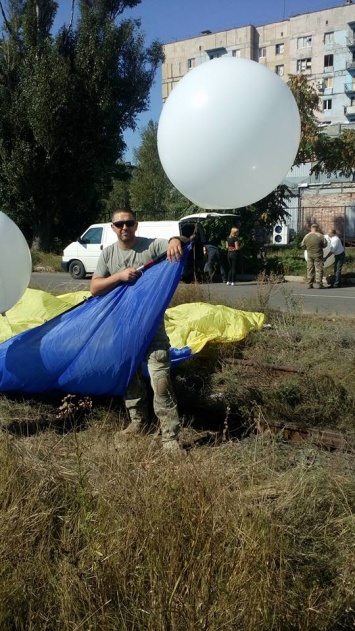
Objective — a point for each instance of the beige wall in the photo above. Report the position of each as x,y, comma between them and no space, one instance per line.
246,41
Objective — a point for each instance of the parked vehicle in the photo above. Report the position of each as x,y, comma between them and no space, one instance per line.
80,257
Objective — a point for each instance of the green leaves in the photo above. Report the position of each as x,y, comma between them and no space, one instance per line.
65,102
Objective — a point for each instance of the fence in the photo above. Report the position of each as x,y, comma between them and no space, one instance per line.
339,218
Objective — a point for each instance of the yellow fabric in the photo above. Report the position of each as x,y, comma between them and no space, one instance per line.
197,323
35,308
192,324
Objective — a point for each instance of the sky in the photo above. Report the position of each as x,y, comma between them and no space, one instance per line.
173,20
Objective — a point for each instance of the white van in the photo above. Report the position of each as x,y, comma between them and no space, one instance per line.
80,257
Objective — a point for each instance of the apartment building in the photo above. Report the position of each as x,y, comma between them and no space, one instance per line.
319,44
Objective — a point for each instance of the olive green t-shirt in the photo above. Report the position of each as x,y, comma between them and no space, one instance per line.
314,242
114,258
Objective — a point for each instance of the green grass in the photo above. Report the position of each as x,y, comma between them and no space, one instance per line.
291,259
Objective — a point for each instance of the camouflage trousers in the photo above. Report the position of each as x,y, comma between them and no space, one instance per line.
164,400
315,270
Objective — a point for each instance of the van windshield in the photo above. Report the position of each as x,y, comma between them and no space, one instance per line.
92,236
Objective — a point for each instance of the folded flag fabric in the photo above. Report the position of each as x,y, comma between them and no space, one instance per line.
191,326
96,347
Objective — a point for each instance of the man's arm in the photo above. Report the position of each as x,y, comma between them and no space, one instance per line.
331,251
101,285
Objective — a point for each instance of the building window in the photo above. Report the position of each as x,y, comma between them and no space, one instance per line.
327,105
304,42
329,37
328,62
262,52
235,53
279,49
280,70
191,62
328,82
304,65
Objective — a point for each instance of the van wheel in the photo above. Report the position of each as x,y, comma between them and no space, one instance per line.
77,270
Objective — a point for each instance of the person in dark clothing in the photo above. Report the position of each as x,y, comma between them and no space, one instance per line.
214,262
233,245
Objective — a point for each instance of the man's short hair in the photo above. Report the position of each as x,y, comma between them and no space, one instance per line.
333,232
314,225
124,210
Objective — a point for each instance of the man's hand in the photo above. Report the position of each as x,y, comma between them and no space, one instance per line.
102,285
174,251
129,275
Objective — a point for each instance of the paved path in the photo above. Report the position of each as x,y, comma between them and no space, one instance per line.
291,294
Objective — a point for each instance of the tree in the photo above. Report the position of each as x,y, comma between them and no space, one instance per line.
307,101
328,154
119,196
65,101
150,186
152,193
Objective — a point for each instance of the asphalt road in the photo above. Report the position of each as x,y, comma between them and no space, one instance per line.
288,295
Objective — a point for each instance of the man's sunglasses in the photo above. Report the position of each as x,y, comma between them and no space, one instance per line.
119,224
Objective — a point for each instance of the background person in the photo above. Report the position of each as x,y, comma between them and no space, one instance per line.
118,264
314,242
259,239
336,248
214,262
233,245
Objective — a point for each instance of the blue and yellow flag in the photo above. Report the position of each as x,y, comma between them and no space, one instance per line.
96,347
79,344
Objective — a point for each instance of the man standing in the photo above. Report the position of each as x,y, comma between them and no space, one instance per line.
118,264
336,248
314,242
214,262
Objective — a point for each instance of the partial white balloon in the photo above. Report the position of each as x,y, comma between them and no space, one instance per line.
331,260
228,133
15,263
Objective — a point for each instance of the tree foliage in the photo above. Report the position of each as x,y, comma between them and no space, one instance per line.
307,101
153,196
150,186
329,154
65,101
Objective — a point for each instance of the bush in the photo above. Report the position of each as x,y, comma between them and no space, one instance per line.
49,261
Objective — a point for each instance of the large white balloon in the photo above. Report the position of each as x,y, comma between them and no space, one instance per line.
15,263
228,133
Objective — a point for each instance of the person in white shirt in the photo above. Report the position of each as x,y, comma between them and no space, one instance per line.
336,248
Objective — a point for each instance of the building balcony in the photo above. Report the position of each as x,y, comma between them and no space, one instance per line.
349,88
349,111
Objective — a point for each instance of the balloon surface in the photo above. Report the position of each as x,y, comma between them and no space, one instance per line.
331,260
228,133
15,263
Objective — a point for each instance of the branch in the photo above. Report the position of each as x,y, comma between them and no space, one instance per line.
7,23
70,25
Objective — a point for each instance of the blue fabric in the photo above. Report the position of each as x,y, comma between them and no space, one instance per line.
96,347
178,355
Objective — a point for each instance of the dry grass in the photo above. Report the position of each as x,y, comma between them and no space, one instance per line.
245,532
249,535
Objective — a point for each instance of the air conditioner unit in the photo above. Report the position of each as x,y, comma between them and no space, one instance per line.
280,234
320,85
